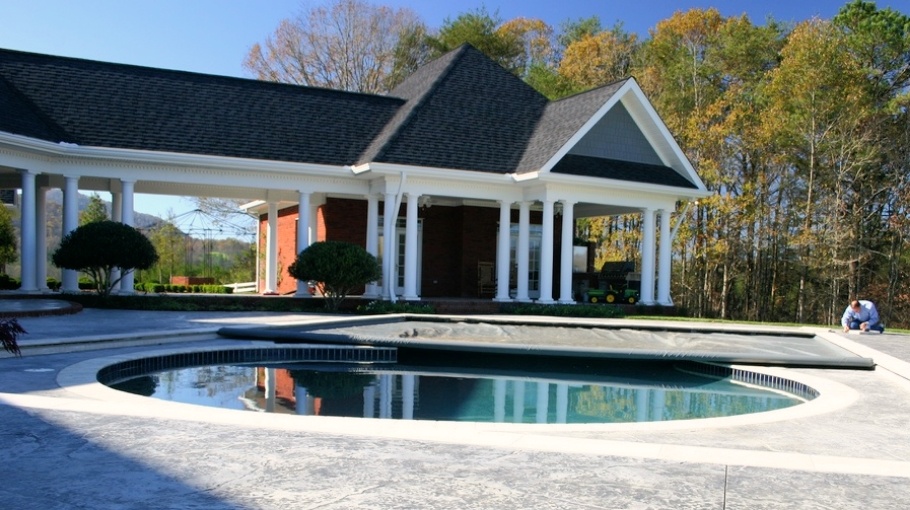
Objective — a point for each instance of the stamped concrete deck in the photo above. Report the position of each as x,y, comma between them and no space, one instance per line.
86,447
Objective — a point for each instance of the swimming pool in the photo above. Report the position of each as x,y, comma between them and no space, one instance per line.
366,382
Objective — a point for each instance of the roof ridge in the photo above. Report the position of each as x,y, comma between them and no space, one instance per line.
48,122
413,105
177,72
595,89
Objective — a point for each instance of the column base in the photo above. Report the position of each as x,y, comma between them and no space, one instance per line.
567,302
545,302
410,298
502,300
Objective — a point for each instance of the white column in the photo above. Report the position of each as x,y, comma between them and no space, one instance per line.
546,255
664,259
301,402
562,402
303,237
41,239
70,278
369,400
116,215
390,215
270,387
522,251
647,257
499,400
565,256
271,250
372,289
28,230
126,283
518,401
502,251
407,396
543,402
385,395
410,249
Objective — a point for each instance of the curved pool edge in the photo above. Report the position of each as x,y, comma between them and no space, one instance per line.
82,379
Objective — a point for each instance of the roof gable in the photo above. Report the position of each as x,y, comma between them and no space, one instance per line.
650,138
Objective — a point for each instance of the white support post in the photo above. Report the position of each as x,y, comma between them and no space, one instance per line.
27,232
502,252
126,282
523,250
664,259
546,255
116,215
271,250
565,257
41,239
69,277
372,289
410,249
389,220
303,237
647,257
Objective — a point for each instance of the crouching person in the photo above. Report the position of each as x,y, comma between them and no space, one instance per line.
861,315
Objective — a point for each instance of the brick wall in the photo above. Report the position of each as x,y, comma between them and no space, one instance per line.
455,239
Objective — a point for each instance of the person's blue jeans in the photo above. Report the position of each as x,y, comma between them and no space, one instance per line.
875,327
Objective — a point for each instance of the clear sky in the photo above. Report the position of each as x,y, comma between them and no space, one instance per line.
213,36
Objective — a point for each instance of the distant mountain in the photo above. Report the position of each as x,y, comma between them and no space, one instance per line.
140,220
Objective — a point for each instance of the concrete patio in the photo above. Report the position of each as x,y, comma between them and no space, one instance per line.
86,447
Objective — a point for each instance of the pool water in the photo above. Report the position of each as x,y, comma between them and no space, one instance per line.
627,392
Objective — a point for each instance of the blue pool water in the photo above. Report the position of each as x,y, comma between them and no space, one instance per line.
550,393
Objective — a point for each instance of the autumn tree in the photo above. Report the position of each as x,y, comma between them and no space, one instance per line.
170,244
345,44
600,58
96,210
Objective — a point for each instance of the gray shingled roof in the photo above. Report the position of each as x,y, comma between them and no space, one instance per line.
115,105
461,111
472,115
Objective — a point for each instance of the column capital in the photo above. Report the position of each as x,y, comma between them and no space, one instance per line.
27,171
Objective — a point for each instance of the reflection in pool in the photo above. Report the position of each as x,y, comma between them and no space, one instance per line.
662,393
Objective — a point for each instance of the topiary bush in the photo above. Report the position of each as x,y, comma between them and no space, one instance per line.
338,268
99,247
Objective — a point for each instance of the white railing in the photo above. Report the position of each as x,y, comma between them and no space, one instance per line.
243,287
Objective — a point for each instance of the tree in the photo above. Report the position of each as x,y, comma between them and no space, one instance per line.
346,44
170,244
482,30
337,267
97,248
599,59
96,210
7,238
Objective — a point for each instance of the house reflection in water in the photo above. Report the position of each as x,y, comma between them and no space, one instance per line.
397,395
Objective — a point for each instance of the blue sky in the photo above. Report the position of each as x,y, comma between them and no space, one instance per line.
211,36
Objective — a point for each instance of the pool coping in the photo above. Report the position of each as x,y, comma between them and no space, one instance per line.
80,380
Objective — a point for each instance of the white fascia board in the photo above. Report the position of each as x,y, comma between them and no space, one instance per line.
67,150
445,174
526,176
588,126
629,186
252,205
